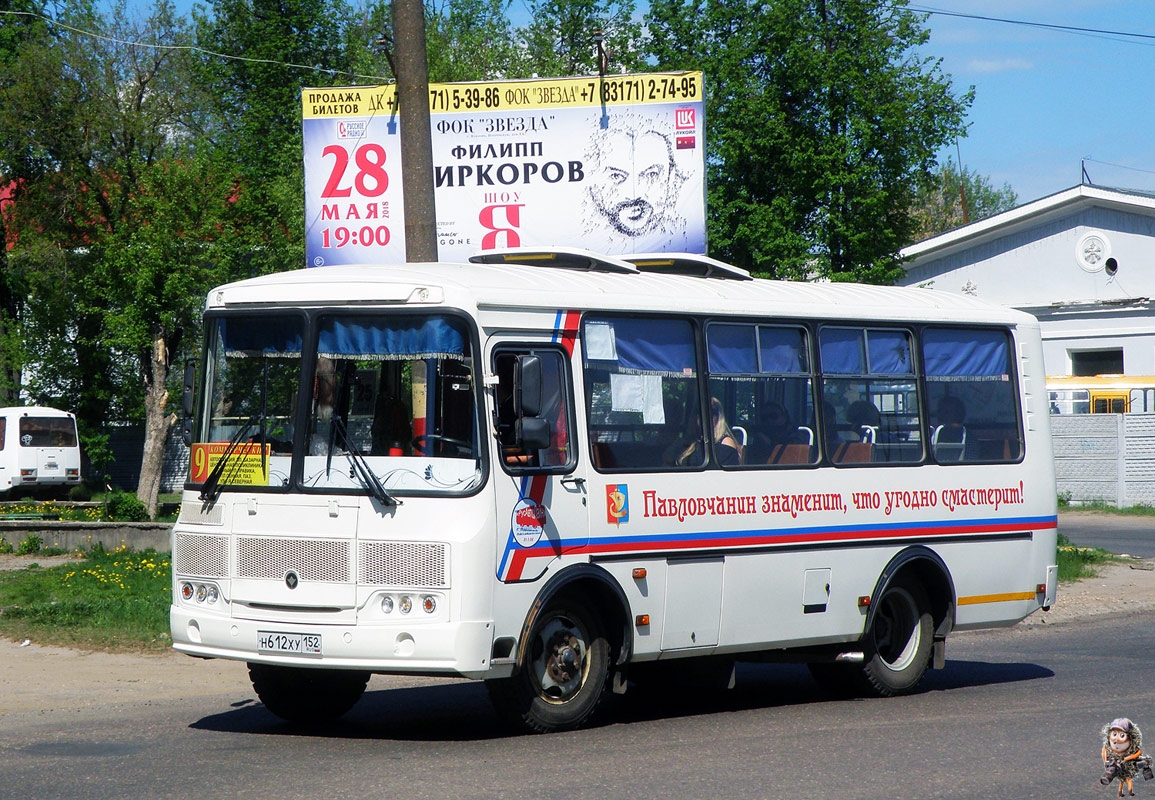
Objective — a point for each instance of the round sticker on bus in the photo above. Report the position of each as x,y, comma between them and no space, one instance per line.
528,522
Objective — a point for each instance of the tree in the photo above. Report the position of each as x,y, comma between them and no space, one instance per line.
471,40
116,211
938,203
819,116
22,22
561,38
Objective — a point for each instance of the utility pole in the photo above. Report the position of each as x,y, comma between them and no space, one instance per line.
416,143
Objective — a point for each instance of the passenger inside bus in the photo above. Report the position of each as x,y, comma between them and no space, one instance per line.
948,441
775,438
726,447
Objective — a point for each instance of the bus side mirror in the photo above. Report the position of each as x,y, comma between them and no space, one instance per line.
527,386
187,402
532,433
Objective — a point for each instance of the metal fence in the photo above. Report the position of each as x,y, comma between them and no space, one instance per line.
1105,457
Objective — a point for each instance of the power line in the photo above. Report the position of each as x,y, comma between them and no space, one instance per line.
1120,166
1029,24
192,48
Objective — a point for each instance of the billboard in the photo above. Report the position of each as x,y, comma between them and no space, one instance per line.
612,164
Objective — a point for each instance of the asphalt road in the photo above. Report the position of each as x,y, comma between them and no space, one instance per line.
1118,533
1016,713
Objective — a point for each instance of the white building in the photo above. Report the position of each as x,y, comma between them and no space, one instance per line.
1082,261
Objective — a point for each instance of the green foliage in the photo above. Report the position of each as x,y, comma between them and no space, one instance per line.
111,600
81,493
1064,499
561,37
125,507
820,116
1076,563
938,205
30,545
469,40
6,546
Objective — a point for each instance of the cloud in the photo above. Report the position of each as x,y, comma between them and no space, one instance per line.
1000,65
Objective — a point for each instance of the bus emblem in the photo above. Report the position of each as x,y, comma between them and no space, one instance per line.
528,522
617,503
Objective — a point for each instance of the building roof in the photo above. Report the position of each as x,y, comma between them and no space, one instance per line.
1031,214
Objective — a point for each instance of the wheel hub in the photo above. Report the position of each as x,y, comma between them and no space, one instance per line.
564,662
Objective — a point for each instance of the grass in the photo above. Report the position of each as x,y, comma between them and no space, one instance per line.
1081,562
111,600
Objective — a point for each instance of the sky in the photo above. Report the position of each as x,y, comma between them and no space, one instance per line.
1046,99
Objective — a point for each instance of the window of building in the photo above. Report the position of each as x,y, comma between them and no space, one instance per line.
1096,362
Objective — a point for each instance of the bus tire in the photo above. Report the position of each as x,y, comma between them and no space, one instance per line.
304,695
898,645
564,674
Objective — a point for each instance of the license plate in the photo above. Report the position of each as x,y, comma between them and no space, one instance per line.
305,643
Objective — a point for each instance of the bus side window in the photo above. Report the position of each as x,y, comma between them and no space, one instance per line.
641,381
870,393
971,395
556,407
761,376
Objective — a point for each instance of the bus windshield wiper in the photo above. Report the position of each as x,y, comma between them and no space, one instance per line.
211,489
360,467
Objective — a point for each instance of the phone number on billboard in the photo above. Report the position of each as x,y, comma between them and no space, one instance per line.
624,89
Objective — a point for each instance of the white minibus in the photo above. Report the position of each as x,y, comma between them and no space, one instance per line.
39,452
561,472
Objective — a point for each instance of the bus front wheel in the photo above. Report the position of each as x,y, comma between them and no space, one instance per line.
899,642
564,673
307,695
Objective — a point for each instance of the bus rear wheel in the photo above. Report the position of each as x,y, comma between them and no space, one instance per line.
307,695
898,644
563,676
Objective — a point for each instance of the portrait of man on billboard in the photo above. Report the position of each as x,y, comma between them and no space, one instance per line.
633,186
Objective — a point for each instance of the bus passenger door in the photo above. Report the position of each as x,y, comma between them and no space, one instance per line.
541,489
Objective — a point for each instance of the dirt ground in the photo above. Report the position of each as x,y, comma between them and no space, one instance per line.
35,678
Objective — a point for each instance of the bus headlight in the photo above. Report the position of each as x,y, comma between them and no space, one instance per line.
406,604
429,603
387,604
186,591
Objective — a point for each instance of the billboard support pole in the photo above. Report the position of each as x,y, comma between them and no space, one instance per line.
416,141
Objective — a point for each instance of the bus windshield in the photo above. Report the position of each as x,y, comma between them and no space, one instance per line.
389,404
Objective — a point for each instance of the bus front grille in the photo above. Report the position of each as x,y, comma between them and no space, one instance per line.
324,560
200,555
420,565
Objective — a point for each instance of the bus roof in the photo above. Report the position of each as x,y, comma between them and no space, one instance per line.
520,286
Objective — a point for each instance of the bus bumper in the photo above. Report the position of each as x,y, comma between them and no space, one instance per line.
451,648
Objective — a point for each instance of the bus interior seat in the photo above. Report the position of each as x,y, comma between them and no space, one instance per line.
790,454
949,444
854,453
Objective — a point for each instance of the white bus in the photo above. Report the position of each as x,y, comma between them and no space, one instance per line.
39,451
555,471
